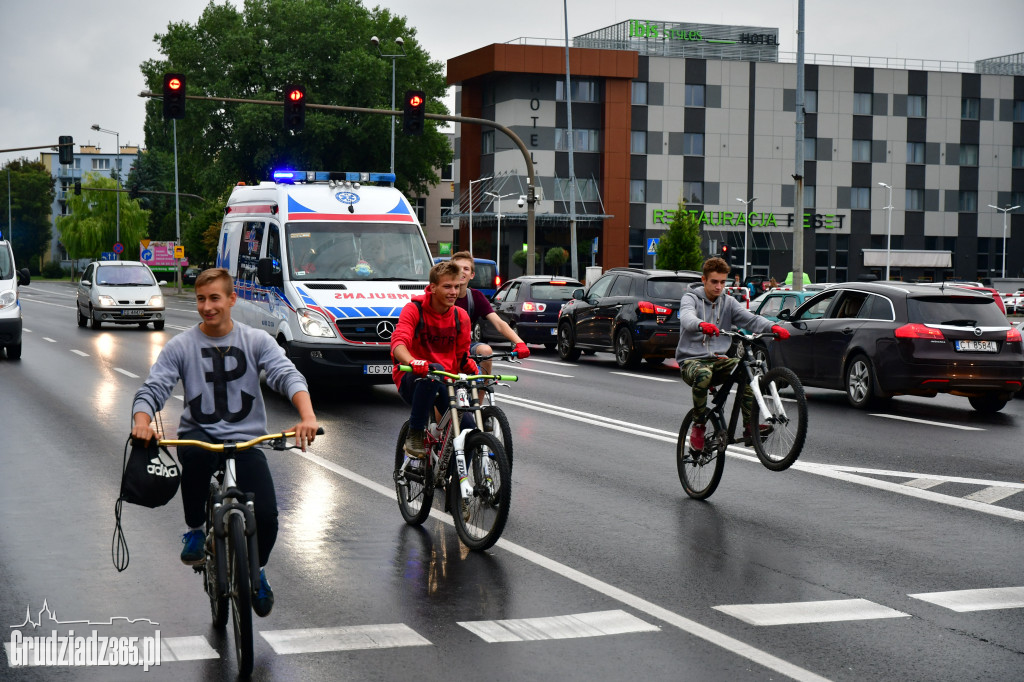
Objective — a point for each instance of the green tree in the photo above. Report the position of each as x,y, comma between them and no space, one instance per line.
556,257
91,226
679,247
32,196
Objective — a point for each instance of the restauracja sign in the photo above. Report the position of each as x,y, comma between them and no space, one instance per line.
830,221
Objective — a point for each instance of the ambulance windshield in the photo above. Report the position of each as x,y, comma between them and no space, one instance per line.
356,251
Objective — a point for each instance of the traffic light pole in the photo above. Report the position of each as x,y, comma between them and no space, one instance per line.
531,194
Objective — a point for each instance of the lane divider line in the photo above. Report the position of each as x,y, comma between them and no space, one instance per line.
642,376
925,421
126,373
80,352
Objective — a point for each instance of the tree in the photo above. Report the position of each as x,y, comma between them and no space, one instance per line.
556,257
679,247
32,196
91,226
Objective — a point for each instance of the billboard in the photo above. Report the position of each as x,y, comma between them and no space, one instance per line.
159,255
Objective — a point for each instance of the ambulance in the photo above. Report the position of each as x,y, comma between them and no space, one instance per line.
324,263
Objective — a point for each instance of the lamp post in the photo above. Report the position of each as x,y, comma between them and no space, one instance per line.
471,210
1004,211
117,137
499,197
394,58
746,232
888,231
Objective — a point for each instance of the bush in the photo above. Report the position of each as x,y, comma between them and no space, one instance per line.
53,270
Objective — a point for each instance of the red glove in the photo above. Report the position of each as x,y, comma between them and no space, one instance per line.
521,351
781,332
470,367
420,367
709,329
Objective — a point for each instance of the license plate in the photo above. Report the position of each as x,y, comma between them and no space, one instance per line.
377,369
985,346
133,312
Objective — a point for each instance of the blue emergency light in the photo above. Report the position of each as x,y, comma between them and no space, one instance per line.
293,176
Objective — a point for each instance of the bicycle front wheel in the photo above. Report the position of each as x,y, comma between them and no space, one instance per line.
480,518
218,601
415,492
239,588
700,470
496,424
784,428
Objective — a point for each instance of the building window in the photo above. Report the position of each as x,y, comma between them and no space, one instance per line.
915,152
862,103
1018,110
582,91
487,142
810,101
639,92
101,164
862,150
1018,157
967,201
693,192
638,191
809,196
915,200
446,173
694,95
421,210
970,107
810,143
586,190
638,141
968,155
446,211
1017,198
693,144
917,106
586,140
860,197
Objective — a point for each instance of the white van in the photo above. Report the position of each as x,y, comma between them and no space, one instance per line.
10,307
324,263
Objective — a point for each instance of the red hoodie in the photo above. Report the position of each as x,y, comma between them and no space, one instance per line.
433,340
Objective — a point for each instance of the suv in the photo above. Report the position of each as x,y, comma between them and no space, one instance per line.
10,308
627,311
120,292
879,340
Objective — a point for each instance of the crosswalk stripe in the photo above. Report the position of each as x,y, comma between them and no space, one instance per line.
593,624
343,638
791,613
988,599
923,483
194,648
992,494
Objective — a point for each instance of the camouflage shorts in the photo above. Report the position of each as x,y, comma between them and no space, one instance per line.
703,373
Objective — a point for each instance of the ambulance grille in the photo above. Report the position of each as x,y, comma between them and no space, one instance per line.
367,329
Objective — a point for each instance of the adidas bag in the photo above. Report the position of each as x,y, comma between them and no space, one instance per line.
150,477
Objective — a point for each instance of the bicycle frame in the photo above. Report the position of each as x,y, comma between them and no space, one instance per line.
742,375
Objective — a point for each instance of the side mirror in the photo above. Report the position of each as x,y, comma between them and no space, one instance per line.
265,273
577,294
23,277
86,283
786,314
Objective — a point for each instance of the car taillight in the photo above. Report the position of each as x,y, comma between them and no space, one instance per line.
531,307
652,309
918,331
497,281
1012,334
561,284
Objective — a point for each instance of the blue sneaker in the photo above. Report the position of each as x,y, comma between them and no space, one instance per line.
264,600
193,553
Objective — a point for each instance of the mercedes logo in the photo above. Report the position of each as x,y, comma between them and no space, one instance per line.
386,328
977,331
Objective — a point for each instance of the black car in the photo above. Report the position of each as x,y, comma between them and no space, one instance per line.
530,305
631,312
878,340
190,275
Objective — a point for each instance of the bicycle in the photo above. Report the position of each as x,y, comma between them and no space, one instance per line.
777,445
495,420
478,488
232,556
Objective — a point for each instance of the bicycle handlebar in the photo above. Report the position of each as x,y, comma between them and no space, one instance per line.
748,337
509,355
463,377
221,447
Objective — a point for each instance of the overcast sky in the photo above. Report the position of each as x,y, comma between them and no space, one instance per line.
68,64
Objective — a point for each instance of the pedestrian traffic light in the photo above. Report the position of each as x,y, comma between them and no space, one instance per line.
727,254
294,107
65,150
174,95
415,107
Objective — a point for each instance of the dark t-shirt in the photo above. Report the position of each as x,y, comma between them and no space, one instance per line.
481,306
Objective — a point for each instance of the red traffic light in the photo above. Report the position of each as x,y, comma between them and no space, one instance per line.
415,100
174,84
725,248
296,95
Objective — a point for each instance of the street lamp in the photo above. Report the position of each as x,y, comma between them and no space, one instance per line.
471,210
746,233
117,137
394,58
888,231
1004,211
499,197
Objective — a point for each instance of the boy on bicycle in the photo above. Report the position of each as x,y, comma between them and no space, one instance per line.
219,364
432,333
703,313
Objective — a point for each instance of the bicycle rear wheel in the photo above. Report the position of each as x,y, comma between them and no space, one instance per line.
699,470
779,447
479,519
415,495
496,424
239,587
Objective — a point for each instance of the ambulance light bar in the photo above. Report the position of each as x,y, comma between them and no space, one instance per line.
294,176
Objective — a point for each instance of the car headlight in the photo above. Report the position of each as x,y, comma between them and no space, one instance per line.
156,301
313,323
7,299
106,300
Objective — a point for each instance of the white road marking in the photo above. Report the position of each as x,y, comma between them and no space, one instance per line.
47,338
26,330
923,483
80,352
594,624
692,627
520,368
548,362
126,373
643,376
194,648
926,421
909,475
992,494
343,638
831,611
963,601
174,326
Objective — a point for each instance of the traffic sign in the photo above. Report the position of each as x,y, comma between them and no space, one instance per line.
593,246
652,245
179,252
118,247
146,255
145,243
108,255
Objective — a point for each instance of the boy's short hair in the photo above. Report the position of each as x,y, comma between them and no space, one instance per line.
464,255
214,275
716,265
444,270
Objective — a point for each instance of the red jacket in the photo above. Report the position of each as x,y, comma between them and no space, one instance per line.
433,340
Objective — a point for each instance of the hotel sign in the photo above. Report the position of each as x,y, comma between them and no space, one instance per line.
649,29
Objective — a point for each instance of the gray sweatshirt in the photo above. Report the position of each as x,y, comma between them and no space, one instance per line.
725,313
221,378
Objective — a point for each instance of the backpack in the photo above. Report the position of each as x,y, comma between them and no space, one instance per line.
420,324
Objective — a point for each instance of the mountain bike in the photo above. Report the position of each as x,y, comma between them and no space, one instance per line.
776,431
469,466
495,420
231,567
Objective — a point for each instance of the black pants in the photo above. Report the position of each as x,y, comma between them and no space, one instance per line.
198,465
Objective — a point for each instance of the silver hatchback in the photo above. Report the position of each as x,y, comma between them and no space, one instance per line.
119,292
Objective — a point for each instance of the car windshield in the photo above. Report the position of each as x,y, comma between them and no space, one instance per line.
356,251
664,287
125,276
956,311
6,264
553,292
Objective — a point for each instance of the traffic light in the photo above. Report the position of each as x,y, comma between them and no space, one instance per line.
65,150
415,107
727,254
174,95
78,187
294,107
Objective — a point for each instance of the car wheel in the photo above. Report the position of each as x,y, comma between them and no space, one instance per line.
626,355
860,382
567,349
96,324
82,320
478,332
158,325
987,404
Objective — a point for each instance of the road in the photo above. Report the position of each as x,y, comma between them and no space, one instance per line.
890,550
